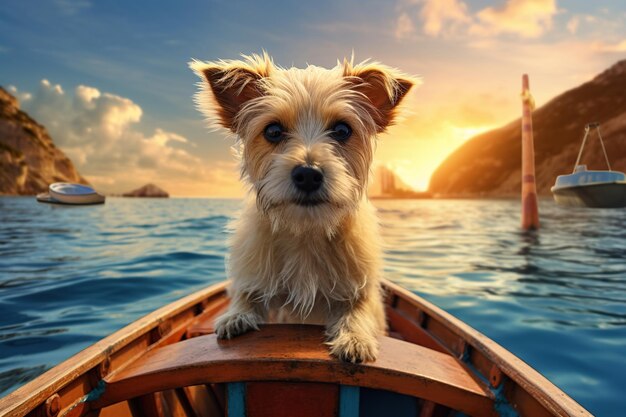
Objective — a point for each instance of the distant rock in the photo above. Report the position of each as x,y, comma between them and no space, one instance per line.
490,163
148,190
29,160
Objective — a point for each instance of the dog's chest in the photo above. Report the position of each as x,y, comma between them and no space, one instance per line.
316,259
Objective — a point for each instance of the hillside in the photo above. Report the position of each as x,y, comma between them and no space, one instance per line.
29,160
148,190
490,164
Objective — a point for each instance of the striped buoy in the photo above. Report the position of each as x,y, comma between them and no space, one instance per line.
530,209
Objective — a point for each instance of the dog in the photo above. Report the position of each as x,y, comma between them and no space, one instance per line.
306,248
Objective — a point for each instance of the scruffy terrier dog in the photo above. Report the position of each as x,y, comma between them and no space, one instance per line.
306,248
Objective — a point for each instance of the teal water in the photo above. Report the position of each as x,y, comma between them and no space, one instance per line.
557,299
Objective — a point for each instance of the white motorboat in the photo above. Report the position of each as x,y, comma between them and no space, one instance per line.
591,188
68,193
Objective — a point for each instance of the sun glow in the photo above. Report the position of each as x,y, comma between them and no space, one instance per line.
414,151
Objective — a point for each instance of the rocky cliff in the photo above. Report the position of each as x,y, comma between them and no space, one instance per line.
490,164
148,190
29,161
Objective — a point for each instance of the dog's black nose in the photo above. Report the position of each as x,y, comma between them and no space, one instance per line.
307,179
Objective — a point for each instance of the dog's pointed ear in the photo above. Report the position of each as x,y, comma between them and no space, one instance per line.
228,85
382,86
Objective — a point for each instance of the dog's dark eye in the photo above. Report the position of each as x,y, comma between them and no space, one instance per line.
341,132
274,133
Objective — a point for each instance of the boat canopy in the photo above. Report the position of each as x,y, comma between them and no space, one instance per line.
582,176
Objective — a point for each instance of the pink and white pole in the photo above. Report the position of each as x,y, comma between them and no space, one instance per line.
530,208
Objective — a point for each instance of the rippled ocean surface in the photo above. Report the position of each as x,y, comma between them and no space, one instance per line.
557,298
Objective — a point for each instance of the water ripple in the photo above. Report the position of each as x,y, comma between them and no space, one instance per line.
556,298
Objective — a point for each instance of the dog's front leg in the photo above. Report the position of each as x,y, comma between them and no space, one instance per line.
353,333
243,314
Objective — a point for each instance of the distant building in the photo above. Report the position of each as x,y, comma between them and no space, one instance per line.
386,184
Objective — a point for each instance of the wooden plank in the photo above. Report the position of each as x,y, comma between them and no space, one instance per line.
117,410
219,395
297,353
550,397
349,401
173,405
236,399
287,399
428,409
411,331
525,404
185,403
21,401
203,324
146,406
203,401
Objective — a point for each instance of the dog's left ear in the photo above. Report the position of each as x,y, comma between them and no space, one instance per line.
228,85
384,88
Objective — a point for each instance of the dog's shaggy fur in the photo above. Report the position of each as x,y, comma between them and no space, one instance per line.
290,261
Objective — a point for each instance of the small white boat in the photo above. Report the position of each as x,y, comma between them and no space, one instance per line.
73,194
596,188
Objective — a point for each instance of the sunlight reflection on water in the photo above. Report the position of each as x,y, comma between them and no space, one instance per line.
556,298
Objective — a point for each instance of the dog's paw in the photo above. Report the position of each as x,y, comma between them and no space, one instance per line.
350,347
233,324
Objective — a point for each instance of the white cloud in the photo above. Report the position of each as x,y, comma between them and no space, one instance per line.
87,95
21,96
102,134
523,18
443,16
404,26
526,18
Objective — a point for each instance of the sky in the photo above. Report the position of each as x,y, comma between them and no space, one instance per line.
110,81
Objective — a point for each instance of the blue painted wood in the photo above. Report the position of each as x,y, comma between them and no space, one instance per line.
236,394
349,401
380,403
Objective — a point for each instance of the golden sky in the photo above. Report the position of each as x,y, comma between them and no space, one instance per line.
111,84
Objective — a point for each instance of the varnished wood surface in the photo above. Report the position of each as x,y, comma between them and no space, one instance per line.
411,318
298,353
531,385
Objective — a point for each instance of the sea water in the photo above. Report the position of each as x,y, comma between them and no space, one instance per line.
556,298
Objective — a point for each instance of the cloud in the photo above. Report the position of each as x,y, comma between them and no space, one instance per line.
443,16
404,26
610,47
103,135
572,24
72,7
526,18
21,97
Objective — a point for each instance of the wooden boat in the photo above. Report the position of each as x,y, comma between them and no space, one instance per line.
594,189
170,363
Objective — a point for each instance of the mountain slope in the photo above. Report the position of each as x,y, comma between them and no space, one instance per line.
490,164
29,160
